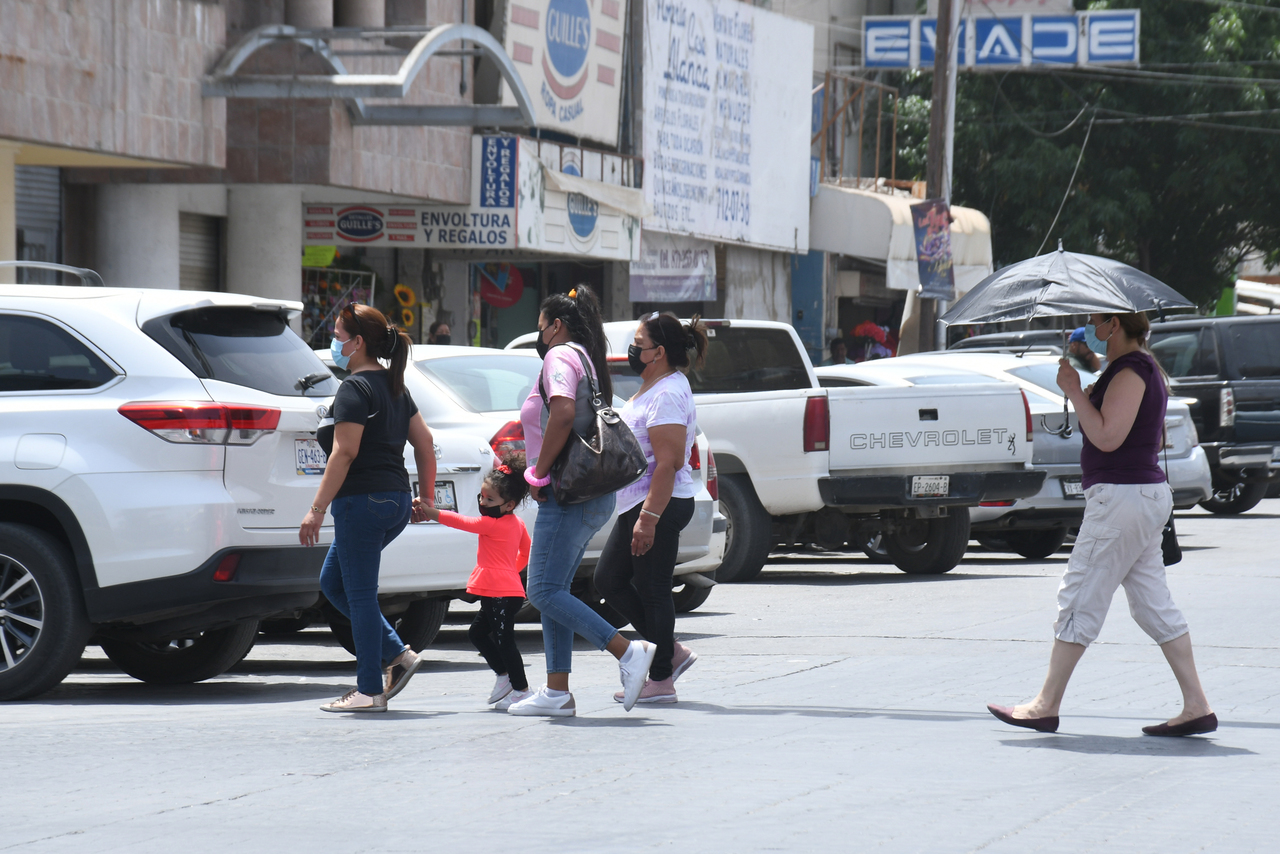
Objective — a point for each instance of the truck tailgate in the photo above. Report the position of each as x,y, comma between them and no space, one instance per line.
970,427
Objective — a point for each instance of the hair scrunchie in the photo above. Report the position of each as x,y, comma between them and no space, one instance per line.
393,335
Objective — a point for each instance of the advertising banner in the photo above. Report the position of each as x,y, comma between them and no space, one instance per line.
672,268
932,221
1096,37
518,203
727,109
569,55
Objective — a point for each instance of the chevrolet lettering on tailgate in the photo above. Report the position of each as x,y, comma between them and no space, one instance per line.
935,438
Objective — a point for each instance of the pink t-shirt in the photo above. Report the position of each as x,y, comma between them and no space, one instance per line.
669,401
562,376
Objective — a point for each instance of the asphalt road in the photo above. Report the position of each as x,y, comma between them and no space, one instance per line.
836,706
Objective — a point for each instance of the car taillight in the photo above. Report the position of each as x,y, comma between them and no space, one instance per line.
227,567
190,423
1026,407
1227,408
995,503
713,482
508,439
695,458
817,425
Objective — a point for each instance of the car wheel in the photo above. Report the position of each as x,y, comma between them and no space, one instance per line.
747,530
194,658
1036,545
43,627
1235,498
930,546
417,625
688,598
874,548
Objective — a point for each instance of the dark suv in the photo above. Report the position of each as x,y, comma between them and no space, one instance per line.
1231,366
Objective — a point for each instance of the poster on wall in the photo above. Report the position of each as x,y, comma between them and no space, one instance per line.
672,268
727,101
569,55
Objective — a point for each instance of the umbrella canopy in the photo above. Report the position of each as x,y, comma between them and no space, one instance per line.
1062,283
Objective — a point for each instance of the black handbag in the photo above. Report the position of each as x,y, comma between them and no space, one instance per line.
1169,538
591,466
1169,543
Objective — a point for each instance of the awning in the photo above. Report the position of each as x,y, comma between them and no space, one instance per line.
877,226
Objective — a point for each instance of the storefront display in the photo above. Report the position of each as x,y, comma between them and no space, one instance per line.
325,292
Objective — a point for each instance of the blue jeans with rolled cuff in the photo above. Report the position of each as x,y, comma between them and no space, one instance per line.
363,525
560,537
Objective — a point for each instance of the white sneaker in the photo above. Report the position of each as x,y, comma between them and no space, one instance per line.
354,701
501,688
511,699
542,704
633,667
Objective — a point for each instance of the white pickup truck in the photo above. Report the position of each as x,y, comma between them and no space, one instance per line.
798,462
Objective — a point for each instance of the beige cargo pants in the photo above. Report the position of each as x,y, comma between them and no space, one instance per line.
1119,544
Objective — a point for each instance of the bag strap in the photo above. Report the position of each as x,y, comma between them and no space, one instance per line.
596,403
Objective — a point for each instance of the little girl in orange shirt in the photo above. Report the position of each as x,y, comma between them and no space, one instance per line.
502,553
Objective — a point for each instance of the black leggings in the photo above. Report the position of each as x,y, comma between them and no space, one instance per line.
493,633
639,586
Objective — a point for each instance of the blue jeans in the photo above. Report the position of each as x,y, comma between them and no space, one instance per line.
560,537
362,527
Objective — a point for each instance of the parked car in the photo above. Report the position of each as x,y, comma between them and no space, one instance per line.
1038,525
479,391
798,461
155,459
1033,340
1231,367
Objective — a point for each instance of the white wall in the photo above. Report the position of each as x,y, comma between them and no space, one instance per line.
264,239
137,235
757,284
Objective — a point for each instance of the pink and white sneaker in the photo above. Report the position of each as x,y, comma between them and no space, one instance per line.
653,692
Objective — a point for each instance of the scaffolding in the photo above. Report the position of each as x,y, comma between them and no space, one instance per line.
843,129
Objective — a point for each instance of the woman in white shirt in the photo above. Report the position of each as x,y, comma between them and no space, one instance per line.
634,571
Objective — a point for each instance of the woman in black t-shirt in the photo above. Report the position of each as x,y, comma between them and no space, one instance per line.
366,488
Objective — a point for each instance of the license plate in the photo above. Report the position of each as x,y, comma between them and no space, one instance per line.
930,486
445,497
310,456
1072,487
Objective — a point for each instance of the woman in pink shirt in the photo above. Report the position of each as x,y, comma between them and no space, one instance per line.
502,553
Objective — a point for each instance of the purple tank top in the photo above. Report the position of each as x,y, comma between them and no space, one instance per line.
1137,460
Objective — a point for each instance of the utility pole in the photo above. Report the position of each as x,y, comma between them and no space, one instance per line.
938,166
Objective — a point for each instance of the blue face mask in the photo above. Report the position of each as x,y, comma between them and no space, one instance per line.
335,350
1092,341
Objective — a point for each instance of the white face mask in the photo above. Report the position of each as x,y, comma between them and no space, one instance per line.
335,350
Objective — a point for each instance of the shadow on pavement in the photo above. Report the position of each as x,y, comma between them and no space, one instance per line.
199,694
1141,745
620,723
822,712
830,579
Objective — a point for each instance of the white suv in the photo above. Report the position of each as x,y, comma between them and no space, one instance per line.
156,455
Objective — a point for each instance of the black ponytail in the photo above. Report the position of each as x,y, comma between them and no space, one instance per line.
580,311
685,343
383,339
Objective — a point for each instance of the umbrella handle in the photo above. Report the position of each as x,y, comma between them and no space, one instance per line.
1065,430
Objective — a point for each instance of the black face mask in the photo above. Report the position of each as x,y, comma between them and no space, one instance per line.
541,346
494,512
443,339
633,358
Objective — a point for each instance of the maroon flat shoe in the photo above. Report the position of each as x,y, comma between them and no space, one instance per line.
1005,713
1199,726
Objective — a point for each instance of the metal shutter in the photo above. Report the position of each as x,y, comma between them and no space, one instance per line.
199,252
38,209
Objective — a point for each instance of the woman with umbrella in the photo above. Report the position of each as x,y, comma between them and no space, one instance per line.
1127,498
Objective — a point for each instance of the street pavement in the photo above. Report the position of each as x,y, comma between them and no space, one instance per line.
836,705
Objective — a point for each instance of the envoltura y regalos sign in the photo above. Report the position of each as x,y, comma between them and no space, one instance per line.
1097,37
516,203
726,122
569,55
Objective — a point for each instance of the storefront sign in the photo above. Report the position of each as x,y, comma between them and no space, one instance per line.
726,143
672,268
516,205
932,222
569,55
1096,37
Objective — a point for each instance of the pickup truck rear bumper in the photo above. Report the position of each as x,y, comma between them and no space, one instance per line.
1251,456
967,489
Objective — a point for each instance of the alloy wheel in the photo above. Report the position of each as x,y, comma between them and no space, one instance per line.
21,612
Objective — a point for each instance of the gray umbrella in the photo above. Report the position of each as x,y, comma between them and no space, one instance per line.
1062,283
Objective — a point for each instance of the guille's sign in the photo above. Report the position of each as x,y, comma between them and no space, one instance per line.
1099,37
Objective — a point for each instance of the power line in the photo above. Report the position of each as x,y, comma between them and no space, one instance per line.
1070,184
1235,4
